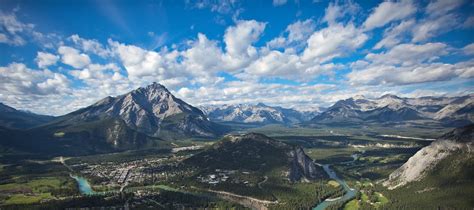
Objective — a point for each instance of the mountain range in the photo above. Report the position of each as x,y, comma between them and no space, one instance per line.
450,111
151,115
257,114
17,119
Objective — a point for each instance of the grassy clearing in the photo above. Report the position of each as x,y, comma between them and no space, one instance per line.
381,199
59,134
364,197
352,205
324,153
37,185
27,199
333,183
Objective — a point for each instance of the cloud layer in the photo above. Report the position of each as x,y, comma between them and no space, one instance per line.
391,48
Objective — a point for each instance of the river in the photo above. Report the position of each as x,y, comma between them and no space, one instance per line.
84,186
350,192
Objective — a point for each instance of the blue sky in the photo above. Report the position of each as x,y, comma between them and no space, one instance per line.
58,56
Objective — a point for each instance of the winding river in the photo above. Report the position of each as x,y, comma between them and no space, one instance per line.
350,192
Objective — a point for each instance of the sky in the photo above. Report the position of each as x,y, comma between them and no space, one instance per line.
58,56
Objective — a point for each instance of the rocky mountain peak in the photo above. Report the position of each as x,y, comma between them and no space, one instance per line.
145,109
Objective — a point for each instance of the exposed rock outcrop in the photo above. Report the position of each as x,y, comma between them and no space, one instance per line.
459,140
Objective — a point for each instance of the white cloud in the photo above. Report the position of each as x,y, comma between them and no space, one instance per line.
296,35
18,80
300,30
333,41
73,57
279,2
90,45
394,35
392,75
221,6
442,7
335,11
203,56
387,12
137,61
12,30
468,49
469,22
428,28
44,59
409,54
408,64
239,39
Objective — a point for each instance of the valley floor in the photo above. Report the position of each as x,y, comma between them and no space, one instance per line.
155,178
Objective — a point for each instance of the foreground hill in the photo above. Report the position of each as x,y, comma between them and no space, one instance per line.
16,119
441,174
257,152
455,145
258,114
450,111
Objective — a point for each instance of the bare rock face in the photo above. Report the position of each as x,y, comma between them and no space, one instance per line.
151,110
459,140
302,167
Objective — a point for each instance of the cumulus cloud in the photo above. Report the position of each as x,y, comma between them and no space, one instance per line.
336,11
89,45
73,57
19,79
44,59
238,40
387,12
333,41
295,35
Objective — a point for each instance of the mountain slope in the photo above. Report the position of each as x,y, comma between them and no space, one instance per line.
257,152
16,119
259,113
457,145
151,110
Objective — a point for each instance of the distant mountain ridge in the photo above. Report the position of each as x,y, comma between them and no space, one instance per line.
17,119
453,111
258,113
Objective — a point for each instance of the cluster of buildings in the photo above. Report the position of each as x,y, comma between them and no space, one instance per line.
144,171
223,176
